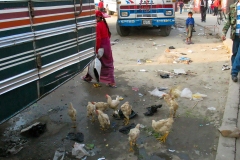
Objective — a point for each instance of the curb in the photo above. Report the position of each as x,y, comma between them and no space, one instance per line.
227,146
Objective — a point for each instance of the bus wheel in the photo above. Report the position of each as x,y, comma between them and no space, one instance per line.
165,31
122,31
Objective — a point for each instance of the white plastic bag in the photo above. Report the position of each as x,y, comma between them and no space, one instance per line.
157,93
95,69
80,152
100,53
186,93
198,96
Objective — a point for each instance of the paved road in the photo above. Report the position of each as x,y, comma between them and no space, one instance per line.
232,149
210,21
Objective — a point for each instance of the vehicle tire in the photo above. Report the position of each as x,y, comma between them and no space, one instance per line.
123,31
165,31
219,19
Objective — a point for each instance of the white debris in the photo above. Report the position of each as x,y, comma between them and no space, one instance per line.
157,93
143,70
211,108
186,93
179,71
190,51
80,152
170,150
214,49
142,126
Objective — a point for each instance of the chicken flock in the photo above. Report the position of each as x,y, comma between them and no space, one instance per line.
97,109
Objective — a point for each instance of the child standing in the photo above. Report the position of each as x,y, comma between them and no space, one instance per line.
189,27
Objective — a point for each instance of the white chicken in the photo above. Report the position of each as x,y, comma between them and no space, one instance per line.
101,105
113,104
163,127
126,109
72,114
91,111
133,136
103,120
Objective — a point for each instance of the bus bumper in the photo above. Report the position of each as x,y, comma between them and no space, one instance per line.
154,22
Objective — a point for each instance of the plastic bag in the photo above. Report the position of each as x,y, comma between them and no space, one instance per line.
198,96
80,152
186,93
100,53
59,154
157,93
95,69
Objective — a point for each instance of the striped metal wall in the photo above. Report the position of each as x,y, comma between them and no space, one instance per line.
43,43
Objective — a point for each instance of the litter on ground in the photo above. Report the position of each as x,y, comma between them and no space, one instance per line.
179,71
157,93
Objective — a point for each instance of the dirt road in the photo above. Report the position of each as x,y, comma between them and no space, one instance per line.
194,134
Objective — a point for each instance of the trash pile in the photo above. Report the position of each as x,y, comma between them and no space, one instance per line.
187,93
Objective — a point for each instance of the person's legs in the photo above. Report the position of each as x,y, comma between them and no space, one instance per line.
201,10
215,11
204,14
235,59
190,29
235,46
180,10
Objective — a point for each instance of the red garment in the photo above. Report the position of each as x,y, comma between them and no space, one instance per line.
212,6
98,13
102,32
100,4
216,3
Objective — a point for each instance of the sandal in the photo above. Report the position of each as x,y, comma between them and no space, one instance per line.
112,85
85,79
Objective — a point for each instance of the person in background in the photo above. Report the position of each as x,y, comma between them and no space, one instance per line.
216,4
181,4
103,41
233,20
209,10
100,6
203,8
212,8
189,27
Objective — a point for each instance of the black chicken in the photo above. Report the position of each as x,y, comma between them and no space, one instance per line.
152,110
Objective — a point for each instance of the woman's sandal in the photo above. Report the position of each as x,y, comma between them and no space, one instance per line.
112,85
85,79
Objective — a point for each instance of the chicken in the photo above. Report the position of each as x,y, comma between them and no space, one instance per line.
172,104
113,104
72,114
101,105
91,108
133,136
103,120
163,127
126,109
170,99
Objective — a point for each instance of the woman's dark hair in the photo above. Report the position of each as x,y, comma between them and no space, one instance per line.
104,20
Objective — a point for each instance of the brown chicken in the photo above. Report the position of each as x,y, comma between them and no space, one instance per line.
170,99
133,136
72,114
91,111
126,109
163,127
101,105
103,120
113,104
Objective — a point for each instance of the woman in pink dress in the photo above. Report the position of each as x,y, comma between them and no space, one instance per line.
103,41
